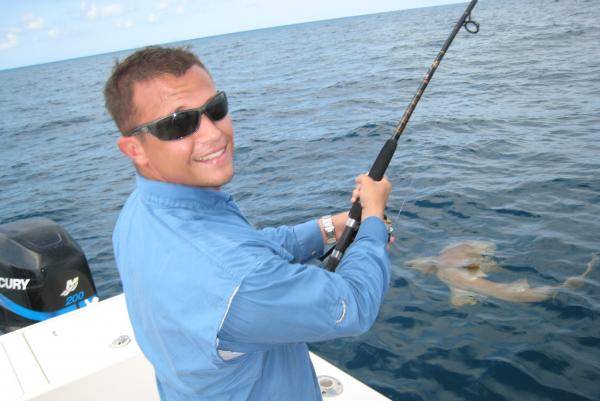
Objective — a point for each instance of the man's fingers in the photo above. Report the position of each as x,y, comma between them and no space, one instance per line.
360,178
355,194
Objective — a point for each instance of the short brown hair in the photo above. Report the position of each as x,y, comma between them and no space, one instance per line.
143,65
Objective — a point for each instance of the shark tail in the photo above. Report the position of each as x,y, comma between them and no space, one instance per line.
577,281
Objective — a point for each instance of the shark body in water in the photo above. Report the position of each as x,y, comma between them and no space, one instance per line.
464,266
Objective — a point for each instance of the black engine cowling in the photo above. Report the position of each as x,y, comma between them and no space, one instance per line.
43,273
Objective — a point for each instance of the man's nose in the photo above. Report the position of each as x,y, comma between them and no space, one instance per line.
208,129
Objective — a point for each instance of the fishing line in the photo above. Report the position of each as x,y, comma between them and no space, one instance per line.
387,151
412,177
424,194
396,220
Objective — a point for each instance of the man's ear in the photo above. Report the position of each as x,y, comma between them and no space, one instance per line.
132,147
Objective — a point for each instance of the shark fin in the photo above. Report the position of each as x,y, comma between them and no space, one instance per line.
426,265
478,273
487,265
473,271
480,247
520,285
462,297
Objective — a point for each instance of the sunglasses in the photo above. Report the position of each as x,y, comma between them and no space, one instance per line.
183,123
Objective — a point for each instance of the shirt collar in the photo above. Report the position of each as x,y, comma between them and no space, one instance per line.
169,191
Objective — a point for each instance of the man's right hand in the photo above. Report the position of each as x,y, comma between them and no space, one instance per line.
373,195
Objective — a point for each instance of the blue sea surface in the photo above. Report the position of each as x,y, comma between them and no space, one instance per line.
503,147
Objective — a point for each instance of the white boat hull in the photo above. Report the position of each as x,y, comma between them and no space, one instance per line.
79,354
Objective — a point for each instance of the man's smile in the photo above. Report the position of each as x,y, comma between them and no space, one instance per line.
213,157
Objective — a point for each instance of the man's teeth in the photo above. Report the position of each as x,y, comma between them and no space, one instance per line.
211,156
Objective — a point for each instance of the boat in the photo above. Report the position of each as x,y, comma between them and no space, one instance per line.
84,347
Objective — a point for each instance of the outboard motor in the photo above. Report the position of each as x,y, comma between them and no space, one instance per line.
43,273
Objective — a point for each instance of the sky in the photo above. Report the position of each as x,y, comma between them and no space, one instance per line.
41,31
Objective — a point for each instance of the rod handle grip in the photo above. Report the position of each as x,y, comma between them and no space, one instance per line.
383,160
376,173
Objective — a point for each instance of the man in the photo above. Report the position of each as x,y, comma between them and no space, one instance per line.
224,311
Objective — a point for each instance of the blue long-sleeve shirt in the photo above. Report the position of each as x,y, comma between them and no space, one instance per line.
222,310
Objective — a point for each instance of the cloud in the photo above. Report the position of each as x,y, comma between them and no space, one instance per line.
111,10
161,5
124,24
181,5
52,33
152,18
91,12
10,40
33,22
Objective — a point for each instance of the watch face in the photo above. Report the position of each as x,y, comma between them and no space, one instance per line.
329,229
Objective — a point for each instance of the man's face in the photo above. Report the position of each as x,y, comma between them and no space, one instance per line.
202,159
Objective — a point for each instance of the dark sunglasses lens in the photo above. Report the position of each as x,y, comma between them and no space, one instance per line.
178,126
217,108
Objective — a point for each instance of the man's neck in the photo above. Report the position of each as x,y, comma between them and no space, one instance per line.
156,177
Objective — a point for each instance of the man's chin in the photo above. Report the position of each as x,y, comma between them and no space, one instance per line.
216,181
204,179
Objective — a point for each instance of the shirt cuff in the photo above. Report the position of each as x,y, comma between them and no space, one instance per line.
309,239
373,227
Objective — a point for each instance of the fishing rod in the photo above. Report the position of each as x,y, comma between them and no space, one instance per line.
387,151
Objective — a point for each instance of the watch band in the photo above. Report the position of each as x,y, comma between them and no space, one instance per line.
329,228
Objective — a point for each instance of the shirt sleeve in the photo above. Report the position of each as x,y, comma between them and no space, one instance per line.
304,303
304,241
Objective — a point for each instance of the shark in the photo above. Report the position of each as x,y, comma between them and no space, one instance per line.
464,267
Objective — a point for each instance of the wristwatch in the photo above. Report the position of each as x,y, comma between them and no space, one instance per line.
329,228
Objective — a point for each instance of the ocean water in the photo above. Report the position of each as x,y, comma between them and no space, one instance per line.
504,147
